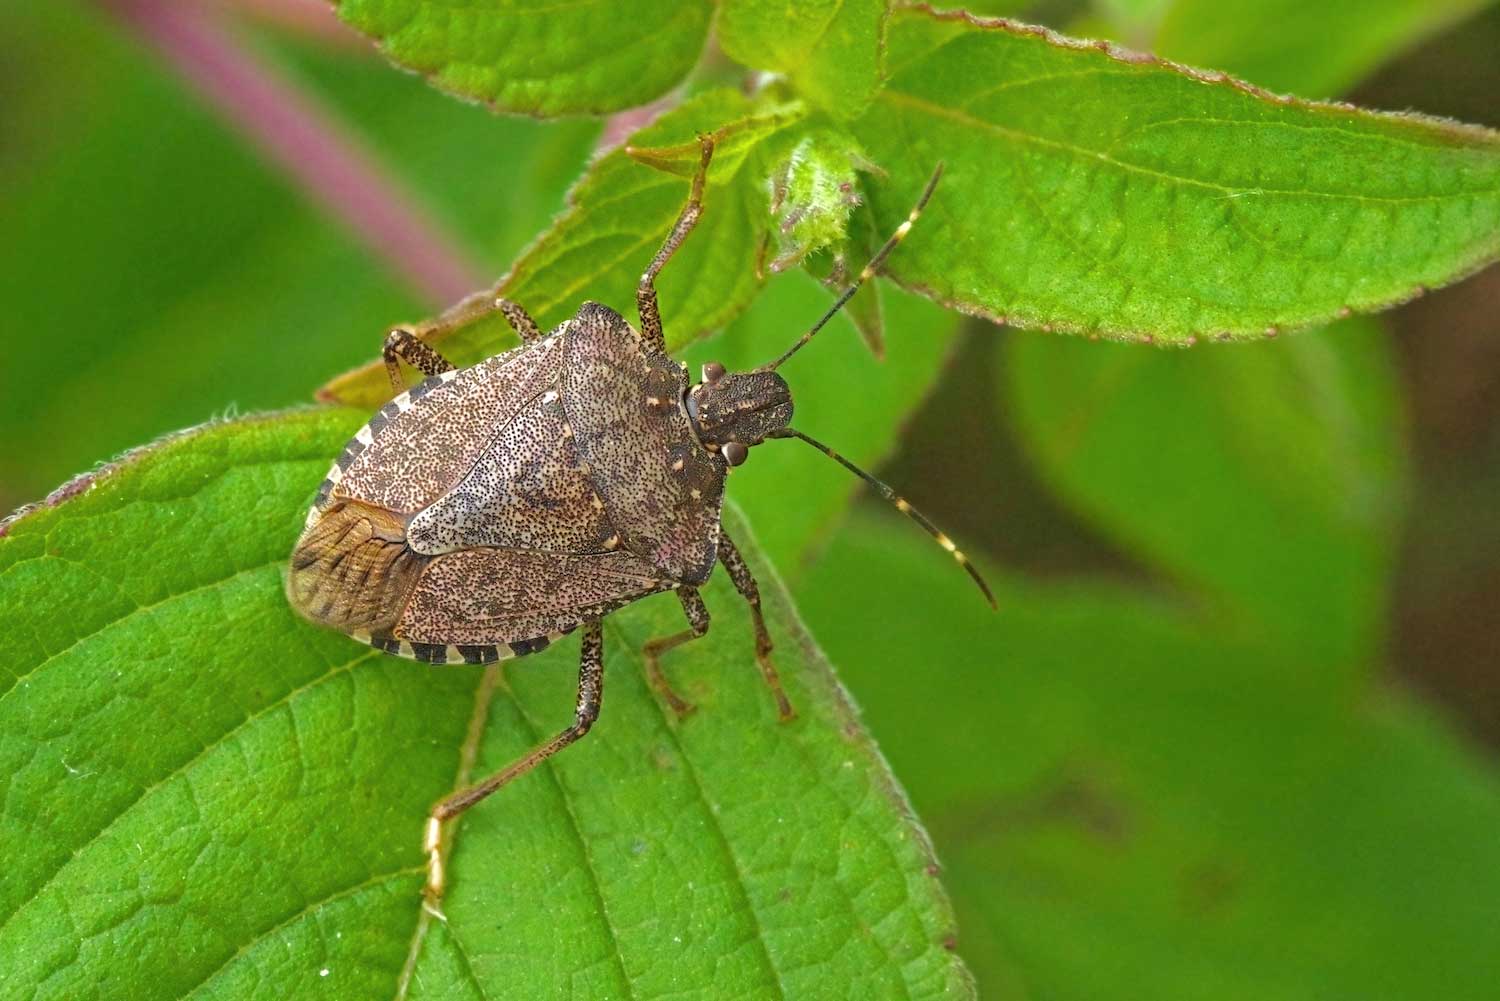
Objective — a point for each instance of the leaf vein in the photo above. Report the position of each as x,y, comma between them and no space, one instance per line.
181,769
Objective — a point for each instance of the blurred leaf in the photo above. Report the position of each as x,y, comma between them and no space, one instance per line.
175,740
1095,191
1234,470
831,49
618,216
1312,49
202,272
843,397
1125,810
553,59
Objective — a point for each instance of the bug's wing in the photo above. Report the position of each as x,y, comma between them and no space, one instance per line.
493,596
352,570
528,489
425,440
662,490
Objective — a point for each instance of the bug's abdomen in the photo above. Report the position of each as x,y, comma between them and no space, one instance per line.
353,570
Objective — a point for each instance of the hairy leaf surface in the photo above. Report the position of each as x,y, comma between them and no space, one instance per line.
585,56
207,797
1101,192
831,50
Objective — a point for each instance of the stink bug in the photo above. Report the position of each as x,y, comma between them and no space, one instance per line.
487,511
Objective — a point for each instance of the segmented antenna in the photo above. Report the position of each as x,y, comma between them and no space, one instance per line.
900,505
869,269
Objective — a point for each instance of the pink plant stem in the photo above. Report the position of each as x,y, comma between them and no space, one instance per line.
295,132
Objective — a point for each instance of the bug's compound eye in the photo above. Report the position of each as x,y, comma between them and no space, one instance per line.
713,372
735,453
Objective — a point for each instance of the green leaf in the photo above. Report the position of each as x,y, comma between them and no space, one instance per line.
175,742
1316,50
1095,191
589,57
1233,470
1125,809
830,49
618,215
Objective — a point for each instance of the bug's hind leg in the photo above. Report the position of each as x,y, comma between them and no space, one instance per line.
744,582
645,292
590,691
697,616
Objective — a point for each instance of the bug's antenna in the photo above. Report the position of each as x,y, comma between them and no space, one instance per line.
869,269
900,505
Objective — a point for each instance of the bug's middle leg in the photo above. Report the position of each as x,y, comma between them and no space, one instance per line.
645,292
590,692
697,616
744,582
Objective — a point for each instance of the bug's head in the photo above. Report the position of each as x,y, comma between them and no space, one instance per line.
737,410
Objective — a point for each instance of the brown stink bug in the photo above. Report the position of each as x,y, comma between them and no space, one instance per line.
487,511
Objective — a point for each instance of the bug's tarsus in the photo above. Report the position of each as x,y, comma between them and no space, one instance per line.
403,345
697,616
868,270
645,292
590,693
744,583
901,504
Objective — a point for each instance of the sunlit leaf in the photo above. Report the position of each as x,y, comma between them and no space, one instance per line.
831,50
1095,191
207,797
592,56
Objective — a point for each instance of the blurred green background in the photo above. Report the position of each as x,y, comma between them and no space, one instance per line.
1232,734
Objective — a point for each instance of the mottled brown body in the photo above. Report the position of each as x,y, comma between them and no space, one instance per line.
487,511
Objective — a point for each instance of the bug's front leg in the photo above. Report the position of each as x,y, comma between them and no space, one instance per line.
409,344
645,292
403,345
697,616
744,582
590,692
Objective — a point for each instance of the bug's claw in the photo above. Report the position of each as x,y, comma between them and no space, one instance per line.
784,709
432,892
680,707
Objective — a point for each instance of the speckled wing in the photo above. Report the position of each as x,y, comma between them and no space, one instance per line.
527,489
419,445
661,489
518,598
